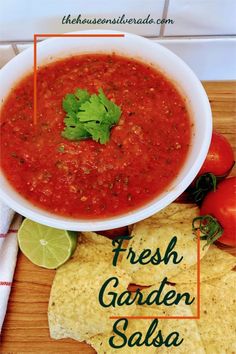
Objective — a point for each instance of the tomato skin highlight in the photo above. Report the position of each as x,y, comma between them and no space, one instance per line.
222,205
220,156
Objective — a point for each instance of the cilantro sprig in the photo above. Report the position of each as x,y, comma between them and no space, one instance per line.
89,116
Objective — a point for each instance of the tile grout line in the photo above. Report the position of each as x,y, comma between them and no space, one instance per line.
197,36
182,37
164,16
15,49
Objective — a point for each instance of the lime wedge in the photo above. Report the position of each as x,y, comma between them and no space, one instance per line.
45,246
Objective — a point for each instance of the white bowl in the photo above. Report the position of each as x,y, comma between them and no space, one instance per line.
131,46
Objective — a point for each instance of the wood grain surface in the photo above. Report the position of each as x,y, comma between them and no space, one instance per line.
26,328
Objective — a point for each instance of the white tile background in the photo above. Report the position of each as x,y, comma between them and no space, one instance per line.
210,59
202,17
203,33
32,16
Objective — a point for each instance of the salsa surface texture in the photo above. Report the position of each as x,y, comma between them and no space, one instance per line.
85,179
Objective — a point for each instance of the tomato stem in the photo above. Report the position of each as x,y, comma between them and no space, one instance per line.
209,228
203,185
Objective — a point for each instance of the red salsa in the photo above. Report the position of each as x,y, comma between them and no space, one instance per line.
85,179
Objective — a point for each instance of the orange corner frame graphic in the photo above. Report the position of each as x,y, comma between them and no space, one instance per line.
46,35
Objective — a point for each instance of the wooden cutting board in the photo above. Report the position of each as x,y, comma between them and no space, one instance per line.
26,328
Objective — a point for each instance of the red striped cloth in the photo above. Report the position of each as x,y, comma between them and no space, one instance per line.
5,283
5,235
8,255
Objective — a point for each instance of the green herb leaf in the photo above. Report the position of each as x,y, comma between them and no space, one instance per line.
71,119
70,103
77,132
209,228
89,116
113,111
92,110
82,95
99,132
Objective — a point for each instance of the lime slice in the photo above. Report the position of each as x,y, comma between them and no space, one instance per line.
45,246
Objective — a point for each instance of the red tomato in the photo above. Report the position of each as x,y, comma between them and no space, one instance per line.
220,156
120,231
222,205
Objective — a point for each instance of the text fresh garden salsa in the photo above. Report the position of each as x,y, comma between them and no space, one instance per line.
143,154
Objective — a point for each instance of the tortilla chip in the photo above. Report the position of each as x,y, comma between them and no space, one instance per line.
151,236
175,212
74,310
101,342
185,215
187,329
152,293
217,324
172,209
214,264
92,247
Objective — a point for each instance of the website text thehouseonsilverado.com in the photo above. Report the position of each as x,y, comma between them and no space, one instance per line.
120,20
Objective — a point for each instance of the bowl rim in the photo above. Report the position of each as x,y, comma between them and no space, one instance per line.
37,214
